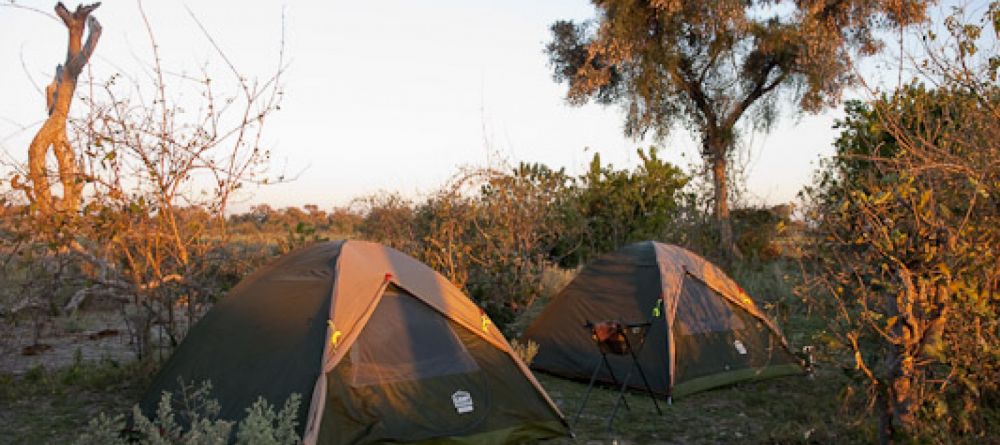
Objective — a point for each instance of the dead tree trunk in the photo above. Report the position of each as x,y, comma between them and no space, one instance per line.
59,96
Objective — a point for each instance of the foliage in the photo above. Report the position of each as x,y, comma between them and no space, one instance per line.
706,65
102,375
907,213
621,206
264,426
488,231
52,406
553,280
199,413
518,223
292,227
387,218
525,351
758,228
494,233
153,170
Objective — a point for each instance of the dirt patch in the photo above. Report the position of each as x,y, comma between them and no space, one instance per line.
86,336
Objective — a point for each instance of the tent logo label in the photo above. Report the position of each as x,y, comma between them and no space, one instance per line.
462,401
740,347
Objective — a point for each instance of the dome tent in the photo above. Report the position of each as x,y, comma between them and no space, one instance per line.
379,346
705,332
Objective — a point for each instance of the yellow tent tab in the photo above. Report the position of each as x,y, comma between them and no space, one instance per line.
334,333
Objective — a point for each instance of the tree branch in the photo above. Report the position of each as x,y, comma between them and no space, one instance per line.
681,72
64,14
83,56
761,88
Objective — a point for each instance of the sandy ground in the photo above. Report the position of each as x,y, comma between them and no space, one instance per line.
91,335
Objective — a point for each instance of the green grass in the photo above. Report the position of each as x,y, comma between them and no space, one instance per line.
43,407
51,407
786,410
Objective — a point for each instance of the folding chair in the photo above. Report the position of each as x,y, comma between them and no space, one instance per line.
621,339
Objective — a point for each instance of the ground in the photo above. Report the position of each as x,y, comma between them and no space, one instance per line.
49,397
89,336
794,409
53,384
51,406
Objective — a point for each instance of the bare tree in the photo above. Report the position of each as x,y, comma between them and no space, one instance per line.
59,96
146,191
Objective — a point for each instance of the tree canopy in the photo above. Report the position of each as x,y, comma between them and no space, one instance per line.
707,65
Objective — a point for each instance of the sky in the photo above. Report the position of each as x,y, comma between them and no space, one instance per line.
383,96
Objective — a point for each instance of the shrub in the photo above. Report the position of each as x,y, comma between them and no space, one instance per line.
494,233
525,351
908,224
757,230
262,425
616,207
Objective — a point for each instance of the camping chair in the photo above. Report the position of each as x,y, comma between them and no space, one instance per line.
622,339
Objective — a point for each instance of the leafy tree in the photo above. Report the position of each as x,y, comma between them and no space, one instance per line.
908,219
519,222
707,65
908,215
621,206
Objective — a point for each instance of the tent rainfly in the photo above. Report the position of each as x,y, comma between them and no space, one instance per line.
380,347
706,331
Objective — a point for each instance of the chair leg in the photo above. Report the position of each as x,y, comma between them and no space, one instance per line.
614,379
619,399
590,387
649,390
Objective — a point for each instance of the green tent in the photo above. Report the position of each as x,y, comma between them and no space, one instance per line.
706,331
380,347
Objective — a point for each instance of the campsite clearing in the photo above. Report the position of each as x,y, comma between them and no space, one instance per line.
52,406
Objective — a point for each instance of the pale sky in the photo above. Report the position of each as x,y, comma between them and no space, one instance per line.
388,95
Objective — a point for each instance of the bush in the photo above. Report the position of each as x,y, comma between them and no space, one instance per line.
525,351
262,425
908,223
495,233
757,230
617,207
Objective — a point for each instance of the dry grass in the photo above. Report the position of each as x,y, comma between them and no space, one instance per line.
525,351
786,410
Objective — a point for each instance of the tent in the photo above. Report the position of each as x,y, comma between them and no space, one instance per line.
706,331
380,347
